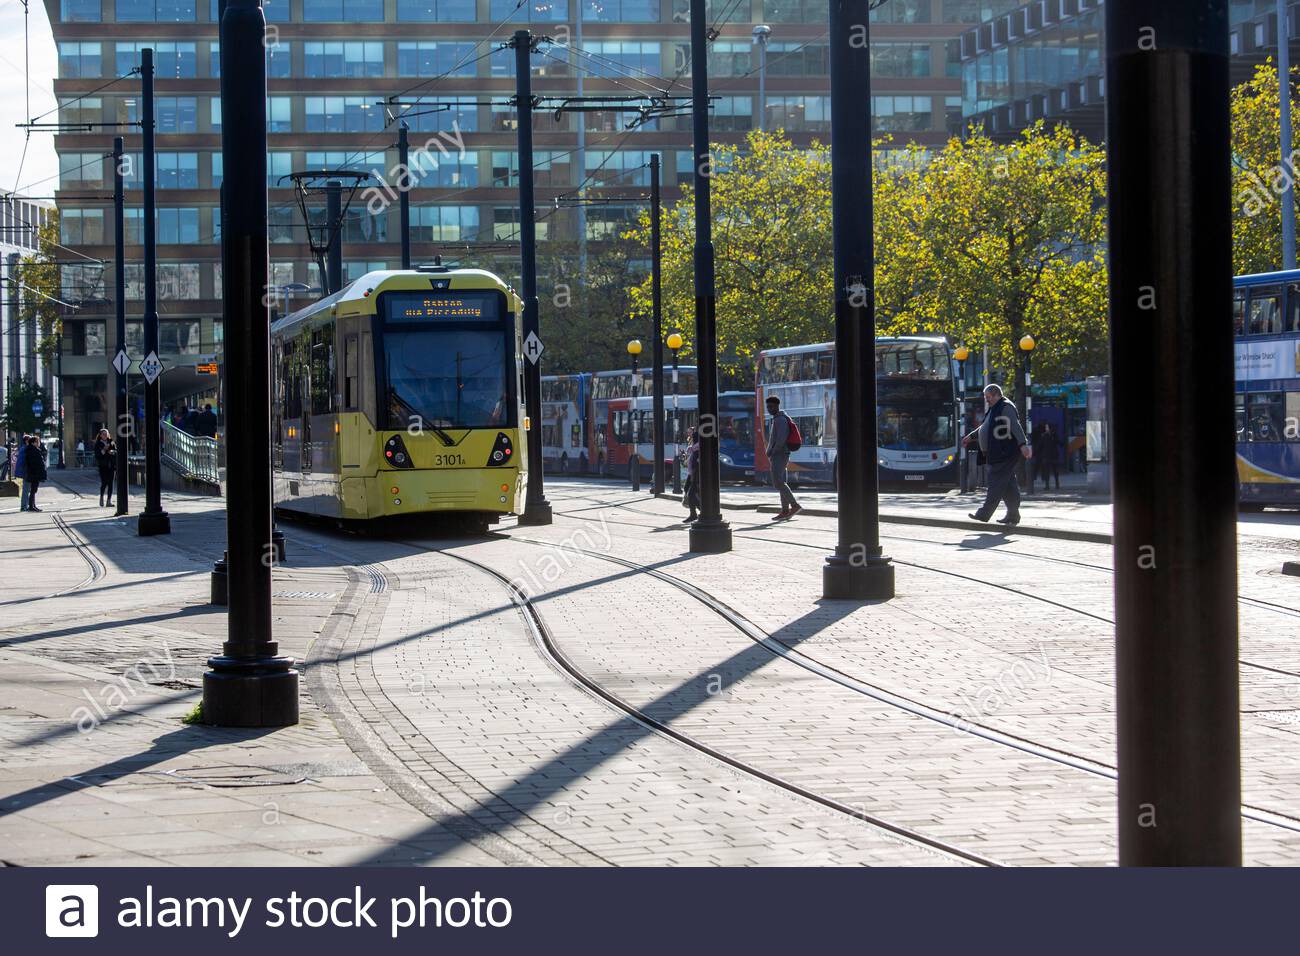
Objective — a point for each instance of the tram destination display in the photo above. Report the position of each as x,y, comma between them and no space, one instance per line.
447,306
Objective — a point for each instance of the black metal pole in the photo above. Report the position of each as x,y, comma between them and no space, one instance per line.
657,481
334,223
1169,162
404,191
710,533
58,407
121,412
677,465
153,520
537,510
249,684
858,569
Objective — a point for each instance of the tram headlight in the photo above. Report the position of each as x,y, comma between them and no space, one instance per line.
395,453
502,450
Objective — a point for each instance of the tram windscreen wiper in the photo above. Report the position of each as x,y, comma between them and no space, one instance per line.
443,436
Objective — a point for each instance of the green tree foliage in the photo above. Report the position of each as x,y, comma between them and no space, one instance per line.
39,275
771,207
1258,175
17,415
986,242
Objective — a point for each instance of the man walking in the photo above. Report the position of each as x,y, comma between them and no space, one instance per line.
778,456
1003,443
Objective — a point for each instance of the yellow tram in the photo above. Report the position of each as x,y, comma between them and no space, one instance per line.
401,395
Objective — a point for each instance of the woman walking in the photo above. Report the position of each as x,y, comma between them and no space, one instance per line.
692,496
106,462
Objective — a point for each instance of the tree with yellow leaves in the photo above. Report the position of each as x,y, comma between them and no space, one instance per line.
1258,173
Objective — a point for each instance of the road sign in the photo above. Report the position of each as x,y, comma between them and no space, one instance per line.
208,368
121,361
533,348
38,407
151,367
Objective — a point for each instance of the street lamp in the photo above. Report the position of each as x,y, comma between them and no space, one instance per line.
634,350
674,343
1027,345
761,34
961,354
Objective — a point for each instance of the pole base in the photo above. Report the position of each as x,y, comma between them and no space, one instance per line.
1292,568
220,584
711,537
250,692
844,580
154,522
538,513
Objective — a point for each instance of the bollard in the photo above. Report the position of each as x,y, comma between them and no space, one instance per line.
221,580
277,546
634,470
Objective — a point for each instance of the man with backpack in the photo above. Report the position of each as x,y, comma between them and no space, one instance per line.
783,439
1002,443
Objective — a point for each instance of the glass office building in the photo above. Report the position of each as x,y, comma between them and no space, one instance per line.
1046,60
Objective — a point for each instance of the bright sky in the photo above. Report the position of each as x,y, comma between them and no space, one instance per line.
40,162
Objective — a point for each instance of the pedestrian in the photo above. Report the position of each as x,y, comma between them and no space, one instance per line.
190,423
781,440
208,422
106,462
1047,453
33,470
691,495
7,465
20,471
1002,442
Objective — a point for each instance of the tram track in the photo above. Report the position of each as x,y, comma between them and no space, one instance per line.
1255,603
911,705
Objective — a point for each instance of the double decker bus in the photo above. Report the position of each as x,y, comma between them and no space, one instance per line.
916,409
1266,347
630,427
624,383
566,423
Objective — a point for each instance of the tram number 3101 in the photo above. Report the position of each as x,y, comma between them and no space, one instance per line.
448,461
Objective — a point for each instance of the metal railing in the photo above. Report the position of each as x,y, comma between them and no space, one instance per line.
192,456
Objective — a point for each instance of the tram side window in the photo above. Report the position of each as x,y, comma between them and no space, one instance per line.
1265,416
351,365
292,381
322,370
1265,313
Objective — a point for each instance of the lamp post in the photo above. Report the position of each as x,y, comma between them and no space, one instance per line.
1026,346
762,33
674,343
961,354
656,306
634,459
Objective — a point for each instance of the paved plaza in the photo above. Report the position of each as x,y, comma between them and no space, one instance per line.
589,693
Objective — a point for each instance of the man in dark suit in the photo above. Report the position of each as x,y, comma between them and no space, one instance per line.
1002,442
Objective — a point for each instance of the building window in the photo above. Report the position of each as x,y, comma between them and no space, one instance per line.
155,11
278,165
179,338
81,227
720,12
279,114
337,59
427,119
550,168
273,10
798,59
624,167
355,270
901,113
608,222
430,169
79,60
217,170
214,114
429,11
177,171
803,113
79,11
350,11
733,113
81,109
803,11
900,59
543,11
78,170
903,11
82,282
621,11
279,64
375,163
171,61
178,225
620,58
343,114
178,281
176,114
444,223
435,59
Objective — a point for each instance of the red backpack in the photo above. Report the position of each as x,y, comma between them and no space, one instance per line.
793,440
